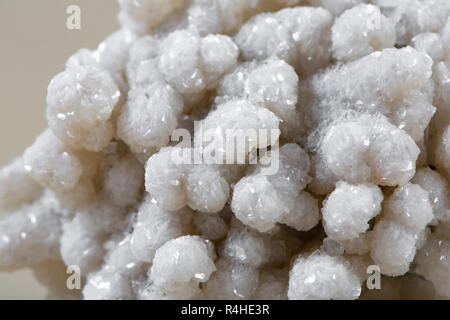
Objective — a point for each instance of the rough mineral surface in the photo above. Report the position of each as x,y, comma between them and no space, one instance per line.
243,149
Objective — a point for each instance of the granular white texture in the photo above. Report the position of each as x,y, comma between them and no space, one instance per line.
393,247
260,201
430,43
321,277
174,185
348,209
16,187
433,263
51,163
270,83
154,227
227,16
232,281
362,148
409,206
149,116
301,36
243,149
336,7
438,191
394,82
30,235
360,31
415,16
80,102
238,114
181,264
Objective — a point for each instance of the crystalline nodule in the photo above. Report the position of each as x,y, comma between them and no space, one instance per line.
159,170
430,43
155,227
80,102
199,69
149,116
393,248
438,191
300,36
305,213
322,277
206,190
360,31
260,201
226,16
414,16
80,244
177,263
238,115
381,81
271,83
409,206
362,149
348,209
175,185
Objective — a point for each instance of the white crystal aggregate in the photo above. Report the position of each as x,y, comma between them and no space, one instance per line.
356,97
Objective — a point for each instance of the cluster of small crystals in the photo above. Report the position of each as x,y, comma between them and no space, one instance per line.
358,92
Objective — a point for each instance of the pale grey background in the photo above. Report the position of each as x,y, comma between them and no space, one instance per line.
35,44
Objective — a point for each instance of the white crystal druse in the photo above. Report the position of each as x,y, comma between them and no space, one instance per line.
243,149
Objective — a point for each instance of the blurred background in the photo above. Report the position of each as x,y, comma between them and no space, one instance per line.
35,46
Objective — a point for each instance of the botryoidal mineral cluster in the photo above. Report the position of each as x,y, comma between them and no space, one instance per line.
359,93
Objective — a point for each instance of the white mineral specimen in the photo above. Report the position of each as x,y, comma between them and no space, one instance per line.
243,149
